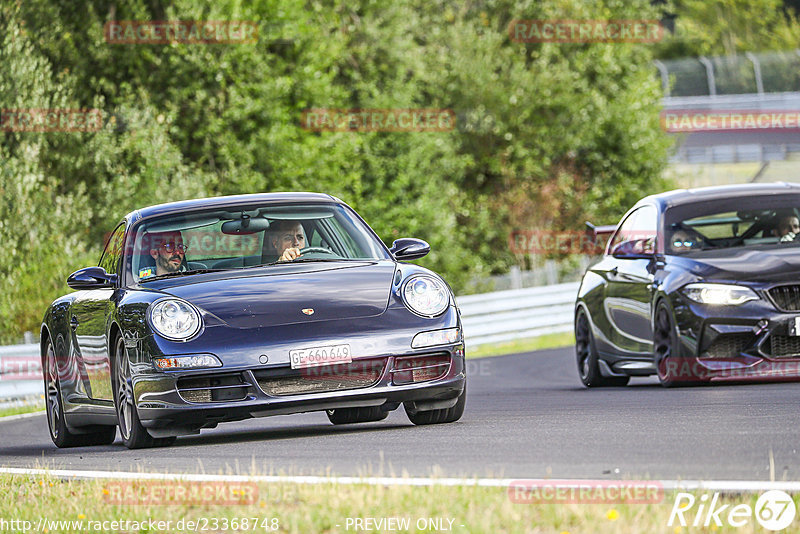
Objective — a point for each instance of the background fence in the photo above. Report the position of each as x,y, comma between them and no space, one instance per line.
488,318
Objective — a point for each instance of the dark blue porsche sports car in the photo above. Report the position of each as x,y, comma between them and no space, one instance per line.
222,309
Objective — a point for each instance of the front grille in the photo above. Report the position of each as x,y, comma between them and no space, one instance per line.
213,388
786,298
360,374
784,346
729,345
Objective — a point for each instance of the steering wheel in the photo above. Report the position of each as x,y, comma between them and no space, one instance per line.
320,250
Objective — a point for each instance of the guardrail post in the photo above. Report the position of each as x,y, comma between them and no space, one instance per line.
712,83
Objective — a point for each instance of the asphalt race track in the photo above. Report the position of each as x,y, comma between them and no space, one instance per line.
527,416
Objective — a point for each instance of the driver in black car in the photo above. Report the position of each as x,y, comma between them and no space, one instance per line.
289,238
787,229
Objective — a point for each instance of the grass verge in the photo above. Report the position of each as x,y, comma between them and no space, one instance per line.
43,501
547,341
17,410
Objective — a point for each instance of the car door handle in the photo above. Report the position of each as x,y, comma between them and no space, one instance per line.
73,322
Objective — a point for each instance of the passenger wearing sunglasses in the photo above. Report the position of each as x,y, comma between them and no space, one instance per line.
168,250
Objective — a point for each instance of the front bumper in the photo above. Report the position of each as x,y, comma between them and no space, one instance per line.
167,407
753,341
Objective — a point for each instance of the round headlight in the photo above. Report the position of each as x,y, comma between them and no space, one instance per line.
174,319
426,295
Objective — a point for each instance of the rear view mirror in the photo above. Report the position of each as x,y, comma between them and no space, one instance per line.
91,278
245,226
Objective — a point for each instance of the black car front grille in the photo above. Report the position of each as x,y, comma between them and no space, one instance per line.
213,388
784,346
729,345
359,374
786,298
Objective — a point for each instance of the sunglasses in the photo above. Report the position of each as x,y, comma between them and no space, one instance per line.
172,247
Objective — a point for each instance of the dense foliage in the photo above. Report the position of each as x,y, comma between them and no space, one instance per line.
547,134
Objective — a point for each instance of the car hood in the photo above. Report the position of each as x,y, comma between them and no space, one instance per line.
278,296
747,264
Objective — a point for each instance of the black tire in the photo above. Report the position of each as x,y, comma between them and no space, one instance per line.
133,434
366,414
665,339
436,417
586,354
61,435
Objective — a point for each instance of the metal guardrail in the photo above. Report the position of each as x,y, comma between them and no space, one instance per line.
487,318
20,371
517,313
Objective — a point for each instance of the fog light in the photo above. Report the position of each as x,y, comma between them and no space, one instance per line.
435,337
419,369
196,361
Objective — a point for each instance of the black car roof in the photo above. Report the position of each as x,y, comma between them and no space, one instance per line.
232,200
700,194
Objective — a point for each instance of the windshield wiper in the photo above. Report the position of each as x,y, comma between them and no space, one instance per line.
181,273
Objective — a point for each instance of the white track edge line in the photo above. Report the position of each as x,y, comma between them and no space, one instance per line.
732,486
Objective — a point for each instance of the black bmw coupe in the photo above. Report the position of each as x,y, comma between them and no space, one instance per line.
222,309
696,286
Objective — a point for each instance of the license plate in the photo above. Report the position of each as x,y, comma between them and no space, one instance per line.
316,356
794,329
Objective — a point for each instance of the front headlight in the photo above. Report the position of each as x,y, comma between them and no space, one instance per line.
719,294
425,295
174,319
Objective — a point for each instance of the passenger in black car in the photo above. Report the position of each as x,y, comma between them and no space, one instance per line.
168,250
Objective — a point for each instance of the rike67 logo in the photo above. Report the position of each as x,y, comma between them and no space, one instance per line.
774,510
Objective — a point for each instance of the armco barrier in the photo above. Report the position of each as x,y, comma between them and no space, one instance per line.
487,318
517,313
20,371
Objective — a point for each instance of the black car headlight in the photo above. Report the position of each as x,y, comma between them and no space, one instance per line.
174,319
719,294
425,295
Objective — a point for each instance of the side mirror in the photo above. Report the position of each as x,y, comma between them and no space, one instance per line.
408,248
635,248
91,278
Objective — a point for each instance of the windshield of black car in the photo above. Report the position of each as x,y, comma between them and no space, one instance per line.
772,221
249,236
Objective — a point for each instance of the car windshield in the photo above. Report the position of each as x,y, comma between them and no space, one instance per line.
771,221
244,237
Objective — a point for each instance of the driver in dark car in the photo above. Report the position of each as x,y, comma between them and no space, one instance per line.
289,238
787,229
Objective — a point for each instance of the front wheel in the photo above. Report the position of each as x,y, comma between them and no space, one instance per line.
133,434
586,353
435,417
61,435
669,367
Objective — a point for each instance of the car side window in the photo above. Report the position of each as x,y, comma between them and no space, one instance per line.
637,233
113,251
